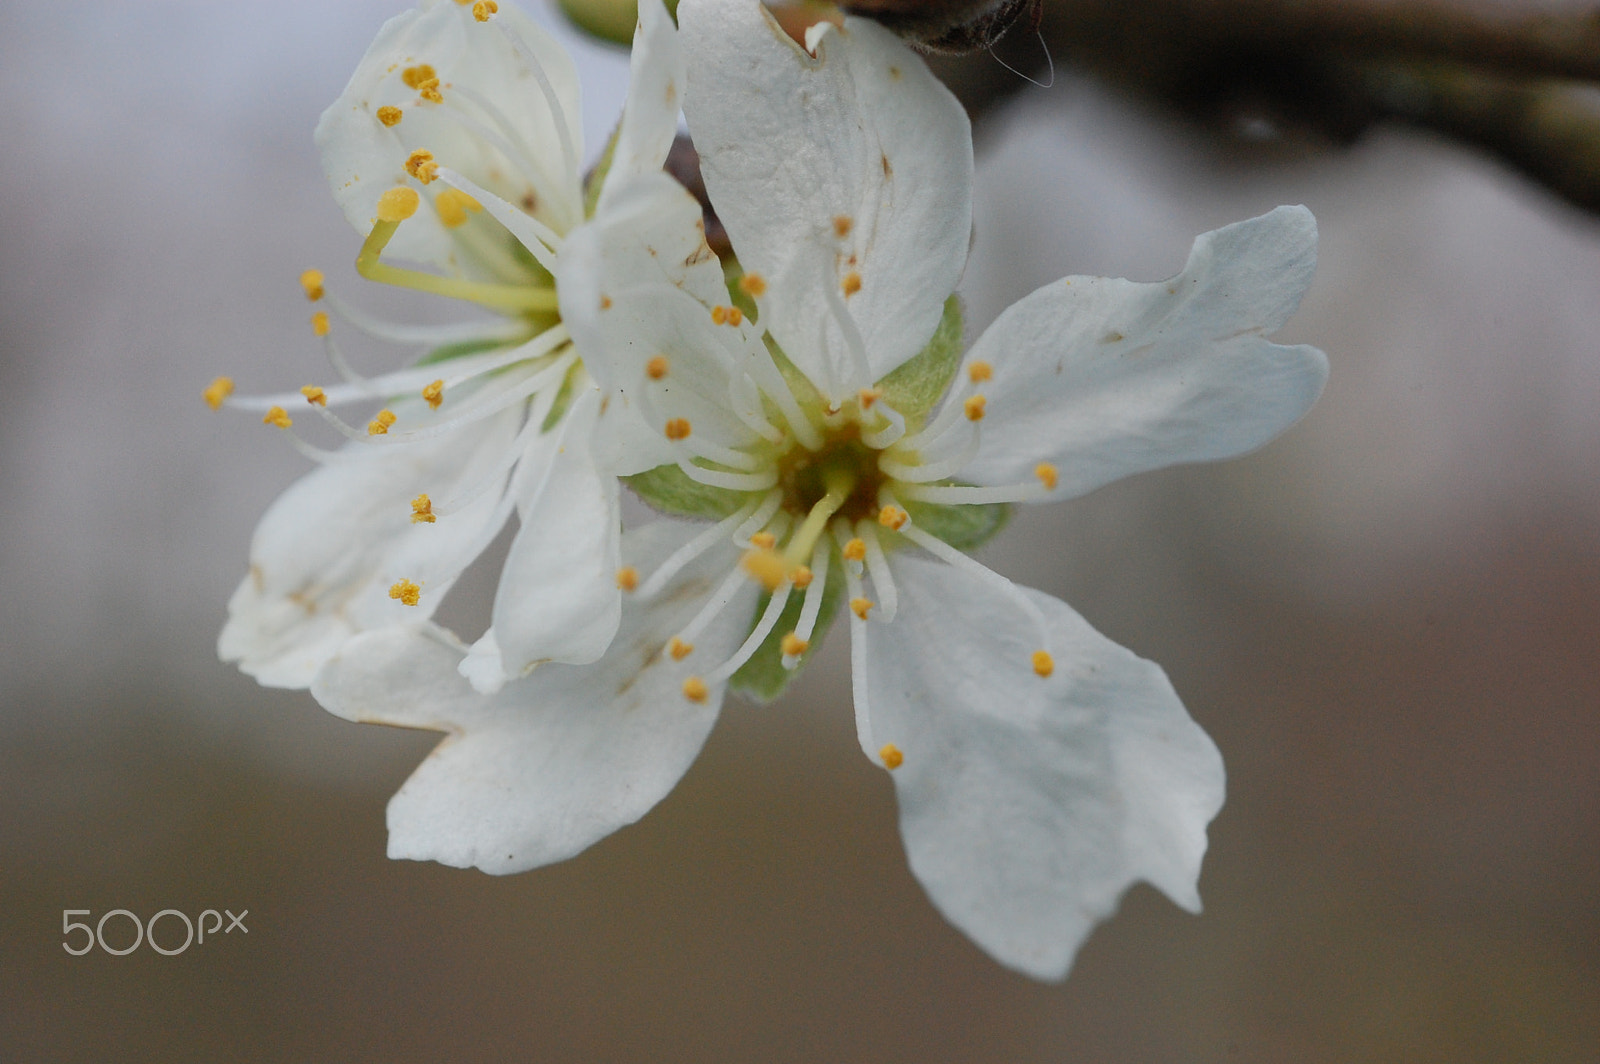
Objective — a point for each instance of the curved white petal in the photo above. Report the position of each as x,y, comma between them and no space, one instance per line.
327,551
363,158
1029,805
553,762
655,95
862,134
558,598
1104,378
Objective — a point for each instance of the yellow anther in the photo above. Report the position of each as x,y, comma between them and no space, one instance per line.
1047,475
1043,663
694,689
656,368
433,394
860,606
415,76
801,577
766,566
753,284
320,323
420,164
842,224
405,592
422,511
764,540
974,407
851,283
483,9
277,416
892,517
891,756
429,90
627,578
726,315
217,392
605,302
380,424
679,649
979,372
868,396
314,395
398,204
793,646
678,428
390,116
735,316
311,281
855,550
452,206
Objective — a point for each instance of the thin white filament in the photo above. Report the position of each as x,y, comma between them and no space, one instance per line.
763,628
878,569
702,542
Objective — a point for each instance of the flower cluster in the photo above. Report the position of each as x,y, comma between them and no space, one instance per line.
807,422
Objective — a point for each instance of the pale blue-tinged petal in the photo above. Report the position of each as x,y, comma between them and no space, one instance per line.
1104,378
855,161
1028,805
556,761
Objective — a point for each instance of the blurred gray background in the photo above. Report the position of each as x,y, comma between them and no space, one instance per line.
1389,620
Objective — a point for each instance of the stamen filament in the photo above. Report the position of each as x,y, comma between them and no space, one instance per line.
540,240
505,297
811,608
731,585
503,329
962,495
697,546
716,478
763,628
878,568
955,558
558,116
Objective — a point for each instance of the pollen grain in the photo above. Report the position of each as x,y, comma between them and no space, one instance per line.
311,281
1043,663
405,592
277,416
216,393
422,510
891,756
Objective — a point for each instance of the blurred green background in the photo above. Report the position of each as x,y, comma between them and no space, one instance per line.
1389,621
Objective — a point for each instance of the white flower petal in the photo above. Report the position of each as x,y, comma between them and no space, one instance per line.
363,158
655,95
862,134
327,551
556,761
558,597
1104,378
1029,805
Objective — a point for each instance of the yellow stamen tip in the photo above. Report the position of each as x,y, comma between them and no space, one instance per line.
726,315
842,224
855,550
483,9
452,205
390,116
420,164
379,425
679,649
429,90
891,756
216,393
753,284
1043,663
678,428
793,646
605,302
422,511
979,372
892,517
311,281
405,592
851,283
974,407
277,416
868,396
657,367
802,577
764,540
415,76
398,204
766,566
694,689
433,394
627,578
320,323
860,606
1047,475
314,395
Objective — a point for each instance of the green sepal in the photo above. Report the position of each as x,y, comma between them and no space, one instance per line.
732,274
668,488
915,385
963,527
463,348
609,20
763,677
595,180
558,409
